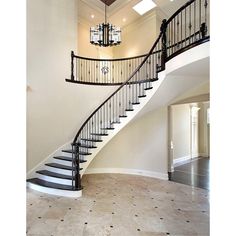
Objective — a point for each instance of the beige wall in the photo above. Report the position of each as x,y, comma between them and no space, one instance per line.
141,145
138,37
181,131
85,48
55,109
133,42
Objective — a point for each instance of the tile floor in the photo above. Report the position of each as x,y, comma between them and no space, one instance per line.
121,205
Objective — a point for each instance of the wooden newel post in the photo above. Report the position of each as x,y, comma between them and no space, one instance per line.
72,65
163,47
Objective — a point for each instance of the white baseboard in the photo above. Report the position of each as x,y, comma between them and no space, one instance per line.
178,161
152,174
203,154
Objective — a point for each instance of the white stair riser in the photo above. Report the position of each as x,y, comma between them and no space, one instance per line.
66,154
53,191
54,180
62,162
59,171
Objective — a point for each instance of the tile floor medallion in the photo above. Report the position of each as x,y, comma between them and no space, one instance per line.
121,205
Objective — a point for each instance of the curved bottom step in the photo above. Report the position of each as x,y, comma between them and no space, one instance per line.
53,188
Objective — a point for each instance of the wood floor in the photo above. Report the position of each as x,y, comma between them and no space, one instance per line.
195,173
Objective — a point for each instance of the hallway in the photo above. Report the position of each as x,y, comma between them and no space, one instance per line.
194,172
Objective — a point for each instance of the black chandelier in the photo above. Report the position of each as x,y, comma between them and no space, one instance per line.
105,34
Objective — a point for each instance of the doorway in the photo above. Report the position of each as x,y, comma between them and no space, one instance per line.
189,144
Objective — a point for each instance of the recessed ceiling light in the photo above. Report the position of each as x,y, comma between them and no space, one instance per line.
92,16
144,6
172,0
124,19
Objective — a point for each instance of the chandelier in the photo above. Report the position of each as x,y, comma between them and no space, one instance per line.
105,34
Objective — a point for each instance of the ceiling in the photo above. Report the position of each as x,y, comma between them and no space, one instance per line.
120,12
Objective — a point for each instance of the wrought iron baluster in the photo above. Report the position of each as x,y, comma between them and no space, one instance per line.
190,24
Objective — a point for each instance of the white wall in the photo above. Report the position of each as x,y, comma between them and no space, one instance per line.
203,129
55,109
142,145
181,131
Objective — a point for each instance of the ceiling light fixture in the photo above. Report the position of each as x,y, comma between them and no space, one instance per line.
124,19
92,16
144,6
105,34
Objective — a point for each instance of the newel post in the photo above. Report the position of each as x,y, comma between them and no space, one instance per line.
76,166
72,65
163,44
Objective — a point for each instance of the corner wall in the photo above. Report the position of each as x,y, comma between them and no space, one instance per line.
142,145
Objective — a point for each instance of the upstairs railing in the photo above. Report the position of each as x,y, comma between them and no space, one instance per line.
183,30
186,28
109,71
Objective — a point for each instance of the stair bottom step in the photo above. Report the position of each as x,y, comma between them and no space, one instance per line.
47,184
54,175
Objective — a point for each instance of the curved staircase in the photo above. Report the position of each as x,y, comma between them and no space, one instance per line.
62,175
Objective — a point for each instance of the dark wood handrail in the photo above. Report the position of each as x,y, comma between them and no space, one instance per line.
179,10
131,76
115,59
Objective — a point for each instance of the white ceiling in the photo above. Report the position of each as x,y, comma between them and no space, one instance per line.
121,9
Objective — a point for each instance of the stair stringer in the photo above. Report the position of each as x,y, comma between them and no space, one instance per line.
124,121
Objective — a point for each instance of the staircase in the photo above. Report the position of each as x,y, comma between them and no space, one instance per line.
62,175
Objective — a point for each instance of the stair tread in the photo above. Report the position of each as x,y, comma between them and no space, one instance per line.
81,153
63,158
123,116
108,128
99,134
91,140
59,166
148,88
86,146
55,175
50,184
116,122
142,96
135,103
129,109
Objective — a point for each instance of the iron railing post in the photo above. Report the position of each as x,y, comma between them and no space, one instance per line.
163,46
72,65
203,30
76,166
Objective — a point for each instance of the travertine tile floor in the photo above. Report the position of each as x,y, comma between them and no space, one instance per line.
121,205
